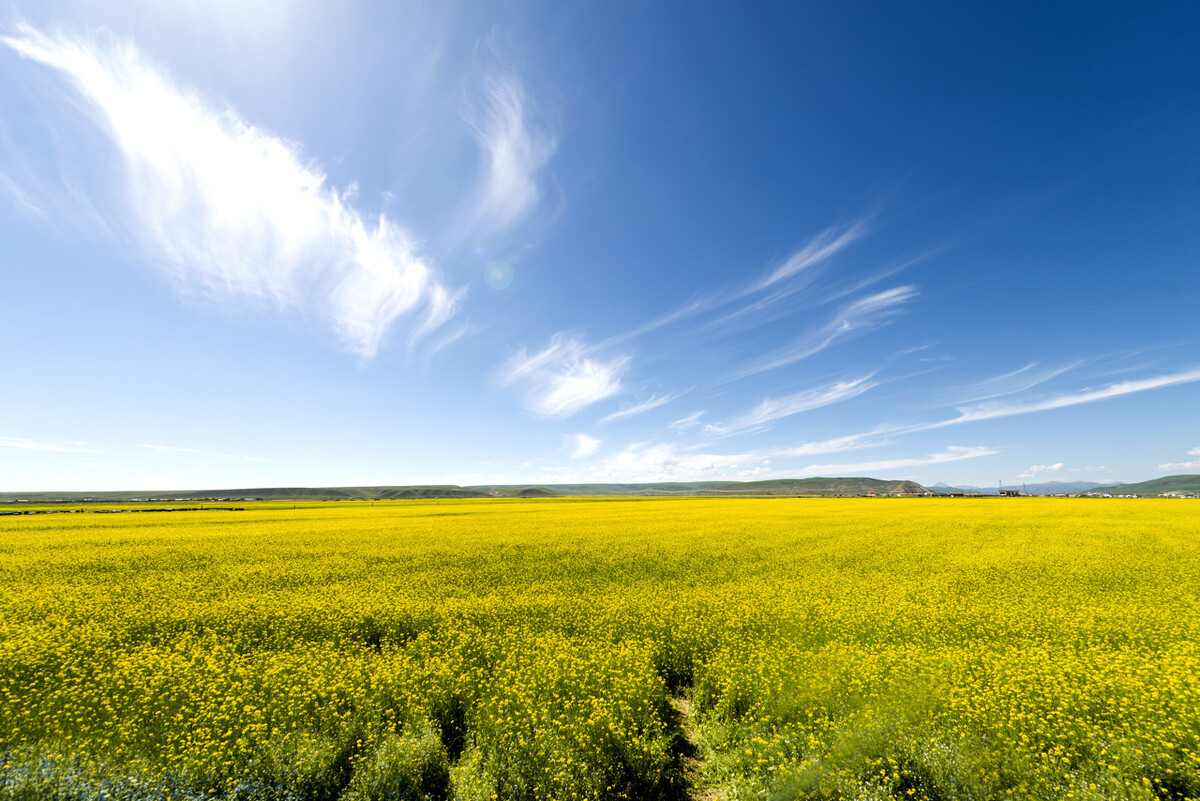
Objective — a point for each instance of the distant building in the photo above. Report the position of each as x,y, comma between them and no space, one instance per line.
1009,493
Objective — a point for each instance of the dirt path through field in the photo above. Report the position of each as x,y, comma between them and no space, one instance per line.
691,756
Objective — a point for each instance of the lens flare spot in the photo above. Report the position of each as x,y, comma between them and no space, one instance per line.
498,274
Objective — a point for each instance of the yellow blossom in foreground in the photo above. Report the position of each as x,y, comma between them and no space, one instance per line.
520,649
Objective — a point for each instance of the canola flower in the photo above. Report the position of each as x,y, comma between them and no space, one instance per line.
517,649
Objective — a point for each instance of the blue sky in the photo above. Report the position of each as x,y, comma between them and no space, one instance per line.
277,244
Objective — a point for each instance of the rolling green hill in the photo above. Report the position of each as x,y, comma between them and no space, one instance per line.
535,492
779,486
820,486
259,493
784,486
665,488
1156,486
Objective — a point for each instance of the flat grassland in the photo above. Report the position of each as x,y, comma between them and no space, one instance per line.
601,648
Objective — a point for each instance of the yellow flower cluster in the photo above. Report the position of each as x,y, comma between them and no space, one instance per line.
529,649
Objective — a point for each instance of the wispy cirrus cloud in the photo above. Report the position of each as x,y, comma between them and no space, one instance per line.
20,198
819,249
849,442
1020,380
564,377
689,422
631,411
853,318
33,445
991,411
167,449
234,213
515,147
692,308
950,454
875,438
772,409
749,300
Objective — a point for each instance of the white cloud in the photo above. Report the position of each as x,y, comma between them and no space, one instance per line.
564,378
859,316
951,454
645,406
1033,471
772,409
233,212
666,462
663,463
169,448
643,462
31,445
1173,466
582,445
515,150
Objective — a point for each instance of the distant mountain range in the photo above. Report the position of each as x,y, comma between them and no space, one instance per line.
1156,486
1043,488
795,487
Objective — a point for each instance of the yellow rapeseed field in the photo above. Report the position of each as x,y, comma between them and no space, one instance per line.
611,648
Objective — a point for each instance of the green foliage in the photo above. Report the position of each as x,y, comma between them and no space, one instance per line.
409,766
